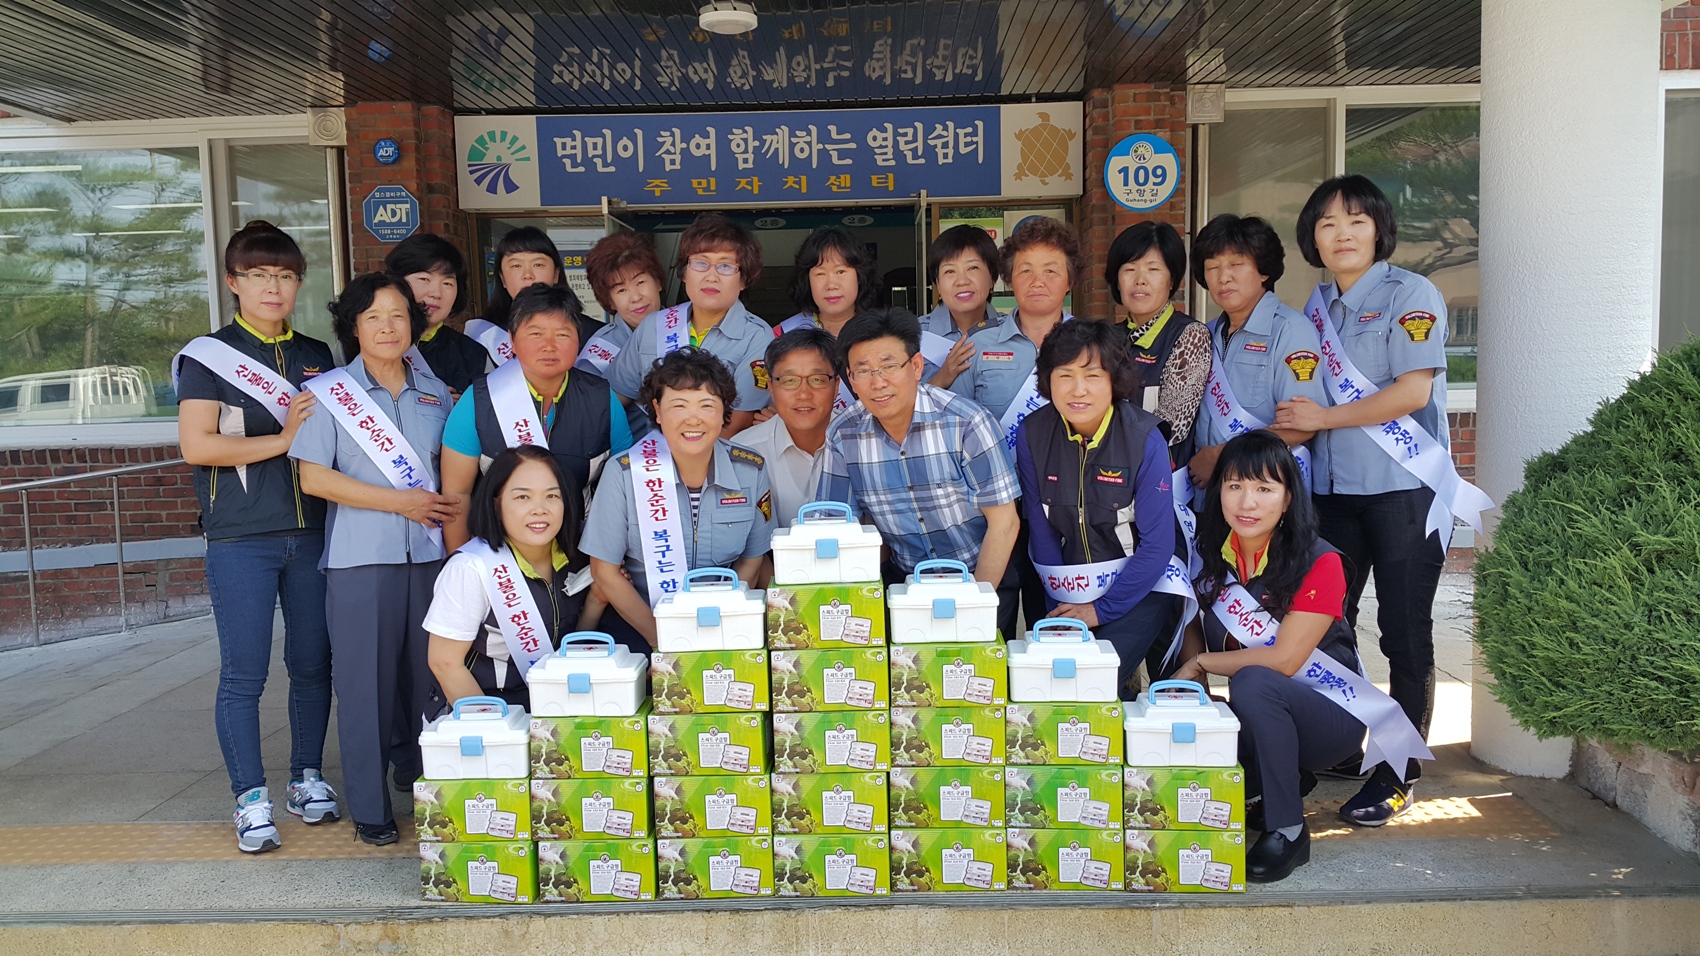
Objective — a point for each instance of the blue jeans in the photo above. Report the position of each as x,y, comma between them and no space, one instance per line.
245,578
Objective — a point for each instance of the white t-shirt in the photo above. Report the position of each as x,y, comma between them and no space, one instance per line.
460,605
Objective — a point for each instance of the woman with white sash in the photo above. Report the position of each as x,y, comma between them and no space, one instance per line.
1096,487
1273,597
525,517
239,407
524,257
682,499
962,267
371,451
627,278
1386,489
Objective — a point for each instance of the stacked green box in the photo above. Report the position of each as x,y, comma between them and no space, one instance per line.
695,744
704,806
832,741
851,678
494,872
595,871
804,617
949,675
1065,733
1184,798
928,797
1065,859
947,736
820,803
1064,798
714,868
1184,861
590,808
948,860
475,840
568,747
831,864
709,682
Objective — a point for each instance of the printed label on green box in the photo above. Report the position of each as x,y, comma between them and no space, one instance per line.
832,865
588,808
1065,798
1065,859
457,811
690,744
1185,861
821,616
1079,734
811,803
567,747
709,682
595,871
923,797
840,679
947,736
834,741
948,860
949,675
712,806
1184,798
714,868
478,872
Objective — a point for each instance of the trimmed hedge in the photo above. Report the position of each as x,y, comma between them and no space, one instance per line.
1588,603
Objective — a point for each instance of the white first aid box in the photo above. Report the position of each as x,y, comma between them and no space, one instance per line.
590,676
1059,661
715,611
1176,724
482,738
941,603
826,546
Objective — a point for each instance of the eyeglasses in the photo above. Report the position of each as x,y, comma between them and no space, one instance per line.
263,279
723,268
791,383
884,371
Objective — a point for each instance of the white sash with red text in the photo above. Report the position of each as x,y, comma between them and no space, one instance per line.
258,382
1026,400
599,353
511,398
655,483
381,440
523,627
494,339
415,360
1232,418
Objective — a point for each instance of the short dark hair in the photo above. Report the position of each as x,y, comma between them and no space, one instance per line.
429,252
358,296
1260,454
524,239
539,299
803,340
1070,341
957,240
713,232
855,255
1360,197
684,369
1134,242
1246,235
484,512
616,255
871,324
1044,231
260,243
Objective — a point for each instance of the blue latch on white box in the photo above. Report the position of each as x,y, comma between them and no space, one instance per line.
944,608
578,683
1063,667
1184,733
708,617
472,746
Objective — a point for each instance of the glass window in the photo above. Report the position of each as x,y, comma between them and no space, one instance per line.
1265,162
102,279
1427,159
1679,282
289,187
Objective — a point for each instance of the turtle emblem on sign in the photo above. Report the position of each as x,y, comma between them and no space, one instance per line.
1044,151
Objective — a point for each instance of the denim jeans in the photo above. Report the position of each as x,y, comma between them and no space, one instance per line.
245,579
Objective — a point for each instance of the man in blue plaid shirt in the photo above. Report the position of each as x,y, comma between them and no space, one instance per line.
928,467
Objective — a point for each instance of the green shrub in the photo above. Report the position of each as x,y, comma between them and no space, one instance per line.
1588,604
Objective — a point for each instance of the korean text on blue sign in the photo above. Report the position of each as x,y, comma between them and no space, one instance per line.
738,157
391,213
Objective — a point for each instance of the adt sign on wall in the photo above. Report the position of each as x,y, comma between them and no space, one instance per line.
391,213
1142,171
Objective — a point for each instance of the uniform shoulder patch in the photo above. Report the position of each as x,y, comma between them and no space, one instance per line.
625,461
1302,364
1418,325
758,369
765,504
740,453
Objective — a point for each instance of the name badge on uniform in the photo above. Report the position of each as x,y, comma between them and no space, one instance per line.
1112,476
735,500
1257,346
1369,316
430,400
997,356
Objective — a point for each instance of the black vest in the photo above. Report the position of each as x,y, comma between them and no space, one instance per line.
579,437
1339,642
454,358
1098,482
1151,362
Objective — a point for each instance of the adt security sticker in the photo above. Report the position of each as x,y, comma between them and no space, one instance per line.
390,213
1142,172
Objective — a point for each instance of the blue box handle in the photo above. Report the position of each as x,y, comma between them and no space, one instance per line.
716,578
708,617
1062,667
834,510
1184,733
472,746
490,708
1076,631
944,608
1187,685
933,567
578,683
584,644
826,548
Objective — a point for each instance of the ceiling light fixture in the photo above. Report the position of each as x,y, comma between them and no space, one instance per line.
727,17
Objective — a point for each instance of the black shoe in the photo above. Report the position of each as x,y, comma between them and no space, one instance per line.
1377,803
377,834
1347,769
1307,783
1273,857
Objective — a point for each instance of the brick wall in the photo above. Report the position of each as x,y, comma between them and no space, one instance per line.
1680,37
77,601
426,169
1463,426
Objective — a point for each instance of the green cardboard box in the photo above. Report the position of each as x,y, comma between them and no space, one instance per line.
804,617
479,811
1080,734
595,871
947,736
847,678
831,865
949,675
948,860
687,807
691,744
567,747
817,803
1065,859
590,808
834,741
1064,798
1184,798
504,872
723,868
924,797
709,682
1185,861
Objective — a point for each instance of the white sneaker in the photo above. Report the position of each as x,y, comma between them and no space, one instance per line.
255,832
312,799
